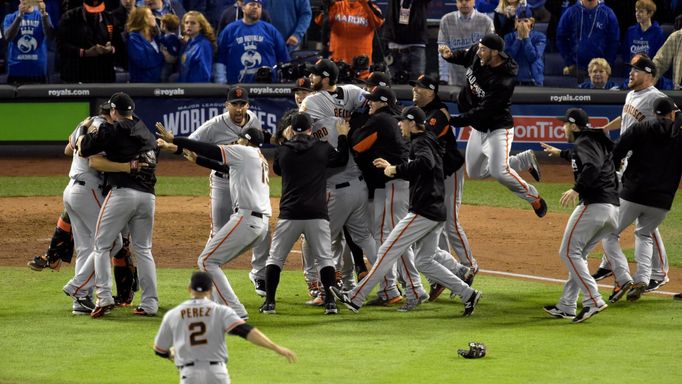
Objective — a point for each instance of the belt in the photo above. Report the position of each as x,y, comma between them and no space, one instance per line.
346,183
253,213
210,363
222,175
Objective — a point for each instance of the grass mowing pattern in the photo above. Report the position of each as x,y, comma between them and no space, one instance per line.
627,343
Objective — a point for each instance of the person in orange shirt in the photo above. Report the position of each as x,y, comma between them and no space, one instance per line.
352,24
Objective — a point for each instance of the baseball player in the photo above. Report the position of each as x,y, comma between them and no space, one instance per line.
421,226
485,104
224,130
130,202
61,247
250,189
302,162
192,335
595,216
650,181
638,107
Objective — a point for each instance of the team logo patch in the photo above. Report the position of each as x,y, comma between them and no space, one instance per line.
301,82
239,92
432,122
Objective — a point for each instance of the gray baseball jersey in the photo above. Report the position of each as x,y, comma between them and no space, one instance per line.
639,106
196,329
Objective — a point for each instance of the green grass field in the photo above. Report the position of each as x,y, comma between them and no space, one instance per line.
628,343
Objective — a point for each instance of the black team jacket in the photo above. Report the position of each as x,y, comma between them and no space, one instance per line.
593,168
425,174
302,162
654,169
452,157
485,101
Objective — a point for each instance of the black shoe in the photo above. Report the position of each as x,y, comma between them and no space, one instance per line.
85,302
602,273
656,284
636,291
468,277
260,287
330,308
435,291
588,312
139,311
540,207
552,310
101,311
619,292
267,308
678,296
534,169
41,262
343,297
470,304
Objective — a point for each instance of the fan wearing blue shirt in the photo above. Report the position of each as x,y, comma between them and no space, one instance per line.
197,59
527,47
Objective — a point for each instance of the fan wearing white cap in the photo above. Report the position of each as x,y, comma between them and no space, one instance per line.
192,335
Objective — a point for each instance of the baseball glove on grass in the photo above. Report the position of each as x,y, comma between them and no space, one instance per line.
475,351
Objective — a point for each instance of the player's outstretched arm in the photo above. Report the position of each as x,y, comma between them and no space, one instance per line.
257,337
551,151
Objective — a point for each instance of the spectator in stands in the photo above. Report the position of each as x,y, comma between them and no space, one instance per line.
87,39
587,30
292,19
405,31
504,18
460,30
487,6
247,45
645,36
162,7
170,41
671,54
599,72
236,13
527,47
540,13
678,22
121,13
556,8
145,52
196,60
27,31
215,9
352,25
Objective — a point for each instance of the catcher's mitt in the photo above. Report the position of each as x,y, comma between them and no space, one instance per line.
475,351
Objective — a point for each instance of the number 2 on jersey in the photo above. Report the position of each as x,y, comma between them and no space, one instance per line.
196,333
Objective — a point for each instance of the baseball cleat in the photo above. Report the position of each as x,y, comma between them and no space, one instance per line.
141,312
678,297
470,304
343,297
330,308
602,273
412,304
318,301
552,310
620,291
379,301
435,290
534,169
656,284
468,277
588,312
41,262
85,302
267,308
259,286
101,311
636,291
540,207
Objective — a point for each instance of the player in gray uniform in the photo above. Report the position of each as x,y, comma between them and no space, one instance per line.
638,107
250,189
423,224
224,130
302,161
192,335
131,202
596,215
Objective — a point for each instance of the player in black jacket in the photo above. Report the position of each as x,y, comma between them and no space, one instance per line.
485,105
423,223
302,161
650,181
596,189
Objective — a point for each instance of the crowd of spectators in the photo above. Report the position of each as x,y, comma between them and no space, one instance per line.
230,41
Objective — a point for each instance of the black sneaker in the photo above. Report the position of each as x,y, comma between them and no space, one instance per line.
636,291
540,207
259,285
655,284
588,312
343,297
552,310
267,308
534,169
470,304
435,290
85,302
620,291
678,297
330,308
602,273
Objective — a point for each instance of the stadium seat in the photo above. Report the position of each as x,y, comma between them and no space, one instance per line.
554,64
560,82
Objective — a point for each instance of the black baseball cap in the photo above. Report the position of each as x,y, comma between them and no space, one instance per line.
303,84
664,105
424,81
493,41
94,6
523,12
378,79
380,93
643,63
301,122
577,116
105,106
201,282
413,113
438,123
120,101
326,68
237,94
253,135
